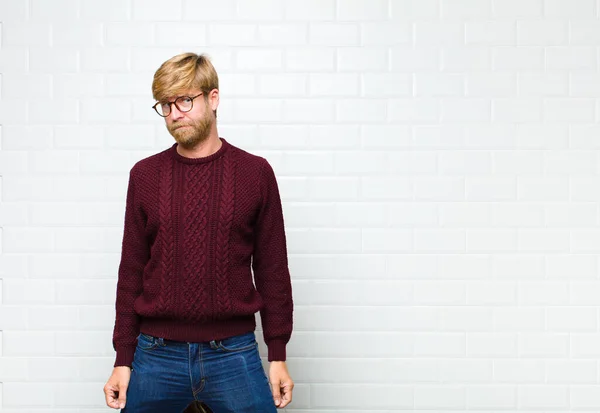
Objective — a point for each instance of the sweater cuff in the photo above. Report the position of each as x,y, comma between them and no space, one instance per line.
124,356
276,350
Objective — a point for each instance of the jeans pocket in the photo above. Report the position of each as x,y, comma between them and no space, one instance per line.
239,343
146,342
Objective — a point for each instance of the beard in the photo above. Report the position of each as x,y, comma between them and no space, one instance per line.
191,133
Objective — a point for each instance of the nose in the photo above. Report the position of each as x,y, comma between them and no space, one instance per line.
175,113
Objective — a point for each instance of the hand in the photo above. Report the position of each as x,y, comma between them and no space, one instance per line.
281,384
115,389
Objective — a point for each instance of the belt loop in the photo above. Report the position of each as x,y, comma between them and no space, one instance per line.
161,342
213,344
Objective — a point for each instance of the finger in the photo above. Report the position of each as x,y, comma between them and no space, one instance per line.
286,396
122,396
110,395
276,393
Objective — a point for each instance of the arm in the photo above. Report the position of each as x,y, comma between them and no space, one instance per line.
135,254
270,266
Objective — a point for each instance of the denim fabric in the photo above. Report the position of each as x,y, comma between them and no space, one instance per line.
227,375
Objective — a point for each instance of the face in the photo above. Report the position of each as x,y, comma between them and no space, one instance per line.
191,128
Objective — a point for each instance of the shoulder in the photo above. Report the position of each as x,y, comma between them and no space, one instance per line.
249,162
150,164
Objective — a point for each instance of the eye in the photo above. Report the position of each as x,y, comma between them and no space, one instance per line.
186,100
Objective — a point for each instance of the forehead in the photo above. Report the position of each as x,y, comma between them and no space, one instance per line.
177,94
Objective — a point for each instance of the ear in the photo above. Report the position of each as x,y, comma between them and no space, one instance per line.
213,99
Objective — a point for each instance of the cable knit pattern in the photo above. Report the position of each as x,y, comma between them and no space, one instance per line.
165,201
223,301
204,250
196,192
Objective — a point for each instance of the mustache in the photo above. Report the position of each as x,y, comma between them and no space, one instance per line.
179,125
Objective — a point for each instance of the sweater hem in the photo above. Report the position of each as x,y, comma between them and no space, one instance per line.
195,331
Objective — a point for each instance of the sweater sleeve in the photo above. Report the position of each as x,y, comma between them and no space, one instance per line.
135,253
270,267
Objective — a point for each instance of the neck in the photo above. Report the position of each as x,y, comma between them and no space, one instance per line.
205,148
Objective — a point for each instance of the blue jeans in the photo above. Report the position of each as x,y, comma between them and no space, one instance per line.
227,375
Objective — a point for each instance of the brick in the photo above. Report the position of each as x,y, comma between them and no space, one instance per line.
439,34
206,10
308,110
106,110
492,345
491,294
26,34
543,345
539,188
385,33
415,9
341,189
517,110
128,84
325,241
180,34
334,34
313,59
155,10
357,215
227,34
308,163
70,86
357,10
14,59
571,58
493,397
348,396
570,110
64,111
548,396
438,84
259,60
440,396
109,10
491,33
256,110
58,12
77,34
465,110
518,58
55,60
465,9
289,34
412,59
490,85
300,215
334,84
517,8
289,84
412,163
584,32
130,34
14,10
310,10
565,9
260,10
414,110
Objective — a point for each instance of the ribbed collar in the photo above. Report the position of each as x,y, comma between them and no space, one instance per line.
179,158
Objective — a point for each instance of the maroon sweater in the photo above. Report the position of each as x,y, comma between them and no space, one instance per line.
194,229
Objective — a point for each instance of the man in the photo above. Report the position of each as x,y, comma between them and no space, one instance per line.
199,216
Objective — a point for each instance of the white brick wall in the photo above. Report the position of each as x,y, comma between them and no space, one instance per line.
439,167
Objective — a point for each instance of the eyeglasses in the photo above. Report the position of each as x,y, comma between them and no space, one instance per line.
183,104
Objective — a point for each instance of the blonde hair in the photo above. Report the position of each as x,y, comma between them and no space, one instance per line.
183,72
